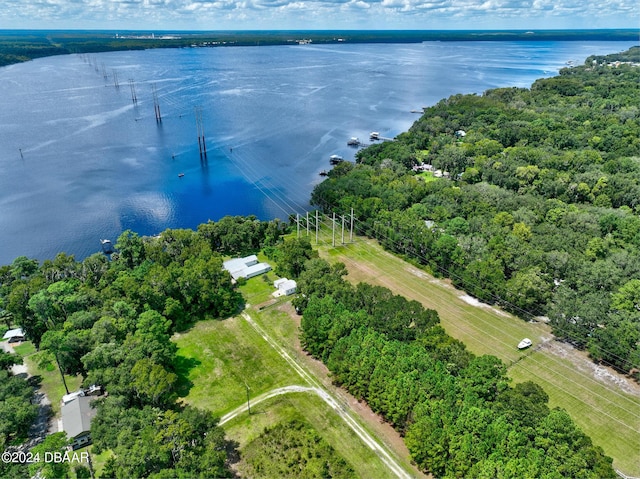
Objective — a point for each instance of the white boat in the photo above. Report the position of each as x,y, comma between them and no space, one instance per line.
524,344
374,135
335,159
353,141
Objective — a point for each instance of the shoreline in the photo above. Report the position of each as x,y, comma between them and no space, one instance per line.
18,46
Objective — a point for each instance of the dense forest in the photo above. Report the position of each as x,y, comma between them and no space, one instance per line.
457,412
23,45
526,198
110,322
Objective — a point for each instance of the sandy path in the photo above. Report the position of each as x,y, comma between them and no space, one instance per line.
341,409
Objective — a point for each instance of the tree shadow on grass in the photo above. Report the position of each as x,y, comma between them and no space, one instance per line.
183,366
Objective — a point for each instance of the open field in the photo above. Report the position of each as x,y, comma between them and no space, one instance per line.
605,405
225,357
219,356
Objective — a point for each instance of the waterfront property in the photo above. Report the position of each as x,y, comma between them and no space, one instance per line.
246,267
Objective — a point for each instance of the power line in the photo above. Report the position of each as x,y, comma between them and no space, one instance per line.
266,190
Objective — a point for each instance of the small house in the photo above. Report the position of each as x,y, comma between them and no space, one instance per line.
14,335
246,267
77,415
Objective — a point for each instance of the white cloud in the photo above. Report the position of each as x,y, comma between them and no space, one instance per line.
304,14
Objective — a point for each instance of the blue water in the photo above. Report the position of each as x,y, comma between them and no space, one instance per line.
79,161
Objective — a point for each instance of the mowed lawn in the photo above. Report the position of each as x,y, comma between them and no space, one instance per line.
222,358
217,357
610,416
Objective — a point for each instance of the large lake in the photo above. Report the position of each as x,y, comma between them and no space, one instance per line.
80,161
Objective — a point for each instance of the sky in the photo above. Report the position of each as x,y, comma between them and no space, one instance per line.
318,14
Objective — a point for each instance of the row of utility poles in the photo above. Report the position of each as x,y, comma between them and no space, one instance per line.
202,147
344,219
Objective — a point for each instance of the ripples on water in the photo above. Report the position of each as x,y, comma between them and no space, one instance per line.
95,163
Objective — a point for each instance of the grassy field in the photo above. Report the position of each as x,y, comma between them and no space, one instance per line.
222,356
607,414
25,349
427,176
219,356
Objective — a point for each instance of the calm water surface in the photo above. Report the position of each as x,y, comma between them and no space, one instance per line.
80,161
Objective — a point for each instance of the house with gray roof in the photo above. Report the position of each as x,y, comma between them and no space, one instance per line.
76,420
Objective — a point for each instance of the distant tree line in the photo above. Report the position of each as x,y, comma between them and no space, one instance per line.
18,46
458,413
541,211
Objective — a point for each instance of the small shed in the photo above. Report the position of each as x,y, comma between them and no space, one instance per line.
288,287
14,335
285,287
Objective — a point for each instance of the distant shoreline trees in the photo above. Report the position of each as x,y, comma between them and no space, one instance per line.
18,46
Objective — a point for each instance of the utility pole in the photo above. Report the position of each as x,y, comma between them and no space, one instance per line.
333,229
351,231
91,472
202,146
55,355
248,404
132,86
342,218
298,224
51,326
316,226
307,223
156,104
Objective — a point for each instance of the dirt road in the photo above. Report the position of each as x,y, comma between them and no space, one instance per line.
342,409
